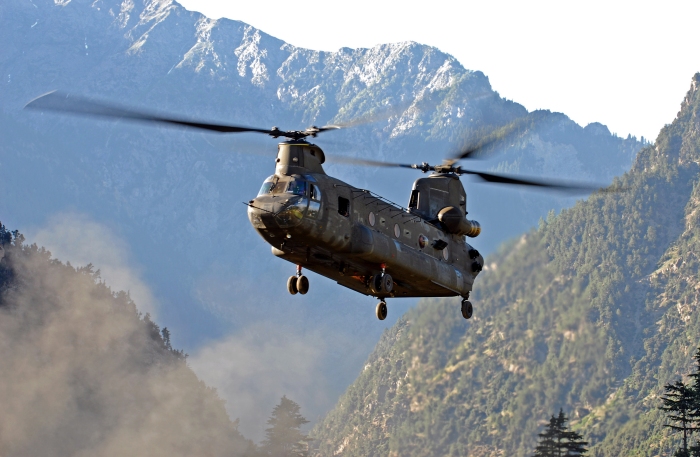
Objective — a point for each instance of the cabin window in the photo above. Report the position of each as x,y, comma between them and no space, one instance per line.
446,253
343,206
296,187
413,202
397,230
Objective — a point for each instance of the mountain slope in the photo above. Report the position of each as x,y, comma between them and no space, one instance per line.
594,312
176,195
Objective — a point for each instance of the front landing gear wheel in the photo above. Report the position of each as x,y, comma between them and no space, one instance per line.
381,284
467,309
382,310
302,284
292,285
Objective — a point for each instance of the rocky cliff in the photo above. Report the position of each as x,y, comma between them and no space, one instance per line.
175,196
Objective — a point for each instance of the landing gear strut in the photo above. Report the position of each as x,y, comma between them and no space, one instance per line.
467,309
382,310
298,283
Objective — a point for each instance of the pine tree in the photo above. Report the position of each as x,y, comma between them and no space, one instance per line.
695,376
694,451
547,446
557,441
283,438
680,401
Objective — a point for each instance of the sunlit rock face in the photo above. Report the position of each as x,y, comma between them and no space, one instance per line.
175,196
595,314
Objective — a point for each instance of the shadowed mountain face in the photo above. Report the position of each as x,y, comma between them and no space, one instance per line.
175,196
593,312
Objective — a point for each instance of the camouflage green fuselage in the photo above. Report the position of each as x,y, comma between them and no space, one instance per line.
349,234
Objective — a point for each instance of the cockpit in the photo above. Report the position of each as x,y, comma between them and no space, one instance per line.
296,197
296,187
274,185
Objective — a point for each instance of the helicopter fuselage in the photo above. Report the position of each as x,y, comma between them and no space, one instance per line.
353,236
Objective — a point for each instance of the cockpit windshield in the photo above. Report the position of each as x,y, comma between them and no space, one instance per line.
296,187
271,186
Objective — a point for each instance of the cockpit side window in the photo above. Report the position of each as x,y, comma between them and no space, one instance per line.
314,192
296,187
413,202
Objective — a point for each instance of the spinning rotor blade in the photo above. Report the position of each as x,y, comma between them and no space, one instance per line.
57,101
502,134
505,179
66,103
369,163
488,177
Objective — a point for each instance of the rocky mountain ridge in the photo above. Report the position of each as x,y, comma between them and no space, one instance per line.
593,312
176,195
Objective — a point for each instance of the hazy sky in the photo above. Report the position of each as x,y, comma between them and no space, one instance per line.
625,64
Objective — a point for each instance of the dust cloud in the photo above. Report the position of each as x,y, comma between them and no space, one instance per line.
75,238
259,365
83,375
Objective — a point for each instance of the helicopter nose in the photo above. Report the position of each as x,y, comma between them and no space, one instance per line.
261,214
264,213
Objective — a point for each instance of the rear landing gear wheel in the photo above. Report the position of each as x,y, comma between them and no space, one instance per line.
467,309
292,285
382,310
302,284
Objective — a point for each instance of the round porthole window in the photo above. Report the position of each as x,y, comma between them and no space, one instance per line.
446,253
397,230
371,219
422,241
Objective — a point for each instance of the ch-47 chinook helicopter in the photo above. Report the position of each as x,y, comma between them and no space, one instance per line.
350,235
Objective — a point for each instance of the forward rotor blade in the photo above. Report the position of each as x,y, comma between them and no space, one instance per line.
368,163
326,128
505,179
61,102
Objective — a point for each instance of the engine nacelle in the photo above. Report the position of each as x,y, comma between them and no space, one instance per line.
456,223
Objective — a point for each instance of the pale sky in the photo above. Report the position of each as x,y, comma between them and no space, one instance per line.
625,64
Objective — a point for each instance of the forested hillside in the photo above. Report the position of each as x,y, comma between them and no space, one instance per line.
83,373
175,196
592,312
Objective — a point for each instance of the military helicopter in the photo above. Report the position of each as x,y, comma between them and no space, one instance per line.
351,235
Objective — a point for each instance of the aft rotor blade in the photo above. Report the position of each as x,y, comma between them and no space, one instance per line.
500,134
61,102
513,180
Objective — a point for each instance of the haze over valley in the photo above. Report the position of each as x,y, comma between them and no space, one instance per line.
581,310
